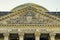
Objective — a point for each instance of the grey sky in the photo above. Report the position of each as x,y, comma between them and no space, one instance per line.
51,5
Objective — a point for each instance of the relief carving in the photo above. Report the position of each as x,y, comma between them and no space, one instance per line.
30,16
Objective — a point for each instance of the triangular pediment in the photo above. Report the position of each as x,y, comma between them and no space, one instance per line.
30,14
31,18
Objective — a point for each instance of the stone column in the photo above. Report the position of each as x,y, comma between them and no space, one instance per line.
6,36
21,36
52,36
37,35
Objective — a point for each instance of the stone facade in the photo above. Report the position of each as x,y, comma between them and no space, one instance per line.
29,19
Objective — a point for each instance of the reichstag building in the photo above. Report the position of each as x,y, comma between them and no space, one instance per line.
29,22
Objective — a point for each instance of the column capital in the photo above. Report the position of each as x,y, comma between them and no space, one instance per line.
20,33
52,34
6,34
37,33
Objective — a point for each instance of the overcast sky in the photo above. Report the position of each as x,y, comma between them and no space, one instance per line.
51,5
